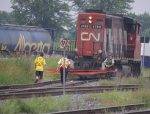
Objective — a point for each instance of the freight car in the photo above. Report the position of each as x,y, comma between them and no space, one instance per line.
25,39
100,35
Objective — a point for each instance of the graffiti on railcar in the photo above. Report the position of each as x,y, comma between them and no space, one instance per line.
23,45
3,47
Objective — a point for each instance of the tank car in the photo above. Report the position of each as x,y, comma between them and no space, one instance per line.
101,35
25,39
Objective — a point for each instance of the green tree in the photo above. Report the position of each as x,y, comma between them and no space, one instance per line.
144,19
146,32
44,13
108,6
6,18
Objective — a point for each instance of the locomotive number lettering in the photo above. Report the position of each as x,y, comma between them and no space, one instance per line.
84,26
91,26
96,26
85,36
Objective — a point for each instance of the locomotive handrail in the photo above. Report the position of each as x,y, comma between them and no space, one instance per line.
83,72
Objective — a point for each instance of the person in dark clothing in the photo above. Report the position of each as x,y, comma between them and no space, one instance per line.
63,64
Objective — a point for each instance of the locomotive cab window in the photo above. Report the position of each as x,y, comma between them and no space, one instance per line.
129,25
108,22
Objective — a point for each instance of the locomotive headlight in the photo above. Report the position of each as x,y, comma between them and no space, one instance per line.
90,17
90,21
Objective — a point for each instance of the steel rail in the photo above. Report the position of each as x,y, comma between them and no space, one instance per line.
55,91
21,86
105,110
18,86
139,112
5,89
112,87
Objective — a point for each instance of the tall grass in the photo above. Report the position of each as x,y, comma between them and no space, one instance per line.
145,72
35,105
16,70
22,71
123,98
127,80
52,63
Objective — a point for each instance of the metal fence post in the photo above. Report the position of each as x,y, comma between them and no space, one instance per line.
64,72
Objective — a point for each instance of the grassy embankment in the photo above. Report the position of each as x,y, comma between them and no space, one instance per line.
21,70
53,104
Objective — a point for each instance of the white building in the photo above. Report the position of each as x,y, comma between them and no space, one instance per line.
145,54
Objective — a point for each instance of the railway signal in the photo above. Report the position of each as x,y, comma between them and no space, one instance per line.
64,43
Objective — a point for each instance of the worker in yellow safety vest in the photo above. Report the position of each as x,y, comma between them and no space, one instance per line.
63,64
39,67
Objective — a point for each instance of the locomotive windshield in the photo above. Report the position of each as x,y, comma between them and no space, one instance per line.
108,22
129,25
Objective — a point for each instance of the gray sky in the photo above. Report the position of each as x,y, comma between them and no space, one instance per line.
5,5
140,6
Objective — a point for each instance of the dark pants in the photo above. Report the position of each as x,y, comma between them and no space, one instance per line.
61,73
39,74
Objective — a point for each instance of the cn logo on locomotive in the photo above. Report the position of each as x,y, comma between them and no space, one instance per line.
85,36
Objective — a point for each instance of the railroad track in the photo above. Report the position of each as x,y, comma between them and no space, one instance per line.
54,91
139,112
46,83
107,110
34,85
17,86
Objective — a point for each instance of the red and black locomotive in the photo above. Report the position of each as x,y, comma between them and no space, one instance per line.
101,36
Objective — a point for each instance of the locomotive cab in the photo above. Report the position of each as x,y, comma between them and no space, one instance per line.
90,36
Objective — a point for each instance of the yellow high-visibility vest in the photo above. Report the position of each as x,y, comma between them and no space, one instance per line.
39,63
64,62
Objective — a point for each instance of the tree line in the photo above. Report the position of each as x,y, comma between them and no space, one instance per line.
60,14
